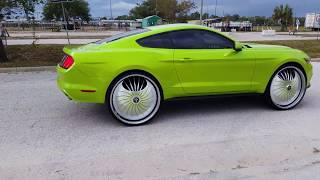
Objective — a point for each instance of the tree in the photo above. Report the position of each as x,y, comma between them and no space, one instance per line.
302,20
183,8
28,6
213,16
283,15
259,20
194,16
77,8
146,8
124,17
235,17
205,16
3,54
171,10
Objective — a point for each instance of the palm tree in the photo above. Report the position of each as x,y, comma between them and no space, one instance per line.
283,15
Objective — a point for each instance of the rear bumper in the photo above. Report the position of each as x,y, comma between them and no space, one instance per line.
78,86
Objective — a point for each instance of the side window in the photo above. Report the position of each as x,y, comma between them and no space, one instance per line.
200,39
156,41
216,41
186,39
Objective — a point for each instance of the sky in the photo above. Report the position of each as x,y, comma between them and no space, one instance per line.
100,8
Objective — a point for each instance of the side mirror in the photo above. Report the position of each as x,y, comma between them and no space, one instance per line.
237,46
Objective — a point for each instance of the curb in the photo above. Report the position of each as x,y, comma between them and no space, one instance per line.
27,69
53,68
315,60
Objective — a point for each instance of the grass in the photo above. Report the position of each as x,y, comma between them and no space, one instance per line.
57,37
278,28
51,55
29,55
311,47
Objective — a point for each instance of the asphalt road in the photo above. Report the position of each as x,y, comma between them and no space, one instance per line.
55,38
45,136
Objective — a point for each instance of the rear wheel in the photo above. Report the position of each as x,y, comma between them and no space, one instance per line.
134,99
286,88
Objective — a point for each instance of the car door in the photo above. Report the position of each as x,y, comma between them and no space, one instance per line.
206,63
157,53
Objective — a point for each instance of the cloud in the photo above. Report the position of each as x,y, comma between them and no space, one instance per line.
100,8
241,7
123,6
259,7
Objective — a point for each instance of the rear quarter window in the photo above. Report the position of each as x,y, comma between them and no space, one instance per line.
156,41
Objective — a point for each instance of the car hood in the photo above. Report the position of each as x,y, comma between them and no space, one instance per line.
276,51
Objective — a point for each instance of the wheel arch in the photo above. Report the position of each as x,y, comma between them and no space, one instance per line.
280,66
144,72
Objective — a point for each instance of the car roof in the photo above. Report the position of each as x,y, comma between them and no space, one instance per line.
170,27
154,30
182,26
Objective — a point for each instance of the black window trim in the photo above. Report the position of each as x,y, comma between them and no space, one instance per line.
122,35
167,32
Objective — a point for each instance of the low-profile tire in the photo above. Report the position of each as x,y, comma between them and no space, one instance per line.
286,88
134,98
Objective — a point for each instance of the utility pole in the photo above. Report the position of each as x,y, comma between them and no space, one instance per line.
201,12
156,7
64,14
111,9
215,9
65,20
317,16
315,20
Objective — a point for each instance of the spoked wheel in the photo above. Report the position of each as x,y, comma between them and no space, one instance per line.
135,99
287,88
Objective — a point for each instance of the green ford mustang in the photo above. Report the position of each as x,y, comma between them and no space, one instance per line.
134,72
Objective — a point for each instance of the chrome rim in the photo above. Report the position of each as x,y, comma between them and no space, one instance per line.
287,87
135,99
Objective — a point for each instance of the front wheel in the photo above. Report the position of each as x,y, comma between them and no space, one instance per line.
134,99
286,88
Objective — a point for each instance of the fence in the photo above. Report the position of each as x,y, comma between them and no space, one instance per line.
76,26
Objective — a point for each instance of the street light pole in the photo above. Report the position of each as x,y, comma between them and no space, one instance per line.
201,12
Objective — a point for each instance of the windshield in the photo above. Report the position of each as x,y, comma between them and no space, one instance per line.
121,35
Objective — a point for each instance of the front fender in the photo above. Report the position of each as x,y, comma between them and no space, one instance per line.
268,62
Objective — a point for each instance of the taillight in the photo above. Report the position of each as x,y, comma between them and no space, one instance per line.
66,62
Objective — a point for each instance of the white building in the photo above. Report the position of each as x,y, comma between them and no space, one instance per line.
312,21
